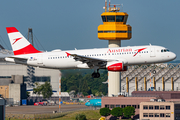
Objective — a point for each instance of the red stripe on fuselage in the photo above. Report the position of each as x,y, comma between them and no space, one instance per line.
11,29
26,50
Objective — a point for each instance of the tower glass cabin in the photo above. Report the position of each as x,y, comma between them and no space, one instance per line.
114,26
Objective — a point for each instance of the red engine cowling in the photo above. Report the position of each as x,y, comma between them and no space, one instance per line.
117,67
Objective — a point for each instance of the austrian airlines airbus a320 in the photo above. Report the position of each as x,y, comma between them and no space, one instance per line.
112,59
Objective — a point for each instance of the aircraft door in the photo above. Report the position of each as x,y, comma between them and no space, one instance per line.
40,59
152,52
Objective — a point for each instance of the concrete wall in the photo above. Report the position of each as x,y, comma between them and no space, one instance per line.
15,92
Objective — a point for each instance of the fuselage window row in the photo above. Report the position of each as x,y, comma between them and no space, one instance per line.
123,53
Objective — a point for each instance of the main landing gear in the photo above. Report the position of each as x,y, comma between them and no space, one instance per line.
96,74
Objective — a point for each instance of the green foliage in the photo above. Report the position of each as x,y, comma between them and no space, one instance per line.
117,112
82,81
27,94
129,111
47,90
44,89
105,111
81,117
38,89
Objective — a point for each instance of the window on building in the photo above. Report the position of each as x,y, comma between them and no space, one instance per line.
150,107
111,106
161,107
156,114
168,107
38,78
151,114
119,18
103,18
107,106
161,114
117,105
168,115
129,105
110,18
177,107
123,106
138,106
156,107
134,106
145,114
145,107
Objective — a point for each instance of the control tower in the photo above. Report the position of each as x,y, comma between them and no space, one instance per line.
114,29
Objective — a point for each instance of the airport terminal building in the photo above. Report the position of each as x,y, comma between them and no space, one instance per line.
40,75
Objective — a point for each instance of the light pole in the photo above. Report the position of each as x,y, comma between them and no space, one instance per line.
5,92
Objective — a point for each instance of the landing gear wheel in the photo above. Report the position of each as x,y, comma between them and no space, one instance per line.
95,75
98,75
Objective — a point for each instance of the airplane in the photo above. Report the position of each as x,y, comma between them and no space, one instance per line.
94,103
112,59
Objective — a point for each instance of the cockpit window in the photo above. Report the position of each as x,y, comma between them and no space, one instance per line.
164,50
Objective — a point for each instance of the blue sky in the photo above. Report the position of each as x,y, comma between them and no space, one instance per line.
69,24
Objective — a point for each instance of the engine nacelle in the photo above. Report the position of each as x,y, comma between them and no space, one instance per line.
116,66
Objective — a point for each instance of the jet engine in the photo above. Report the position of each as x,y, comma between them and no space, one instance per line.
116,66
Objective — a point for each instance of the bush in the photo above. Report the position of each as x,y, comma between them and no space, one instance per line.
117,112
105,111
81,117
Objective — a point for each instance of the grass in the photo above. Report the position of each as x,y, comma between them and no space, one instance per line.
90,115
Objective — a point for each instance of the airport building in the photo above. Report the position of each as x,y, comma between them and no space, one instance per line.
139,97
154,110
40,75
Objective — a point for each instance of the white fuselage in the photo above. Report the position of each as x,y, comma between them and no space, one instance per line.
128,55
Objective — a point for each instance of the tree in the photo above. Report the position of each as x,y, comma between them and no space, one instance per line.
28,94
38,89
85,88
117,112
129,111
105,112
46,90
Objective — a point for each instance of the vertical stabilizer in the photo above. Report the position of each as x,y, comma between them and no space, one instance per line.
19,43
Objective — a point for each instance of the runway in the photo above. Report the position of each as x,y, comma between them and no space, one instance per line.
30,109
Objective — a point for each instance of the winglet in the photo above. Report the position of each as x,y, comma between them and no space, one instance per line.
68,54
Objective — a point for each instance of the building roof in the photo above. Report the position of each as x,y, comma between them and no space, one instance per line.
55,94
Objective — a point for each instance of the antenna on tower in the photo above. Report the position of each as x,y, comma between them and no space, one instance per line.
30,69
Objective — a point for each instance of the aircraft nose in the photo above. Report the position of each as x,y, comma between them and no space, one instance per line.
173,56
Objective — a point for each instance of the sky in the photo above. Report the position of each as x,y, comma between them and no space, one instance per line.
70,24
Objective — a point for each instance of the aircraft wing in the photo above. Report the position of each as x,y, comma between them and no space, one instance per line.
91,62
